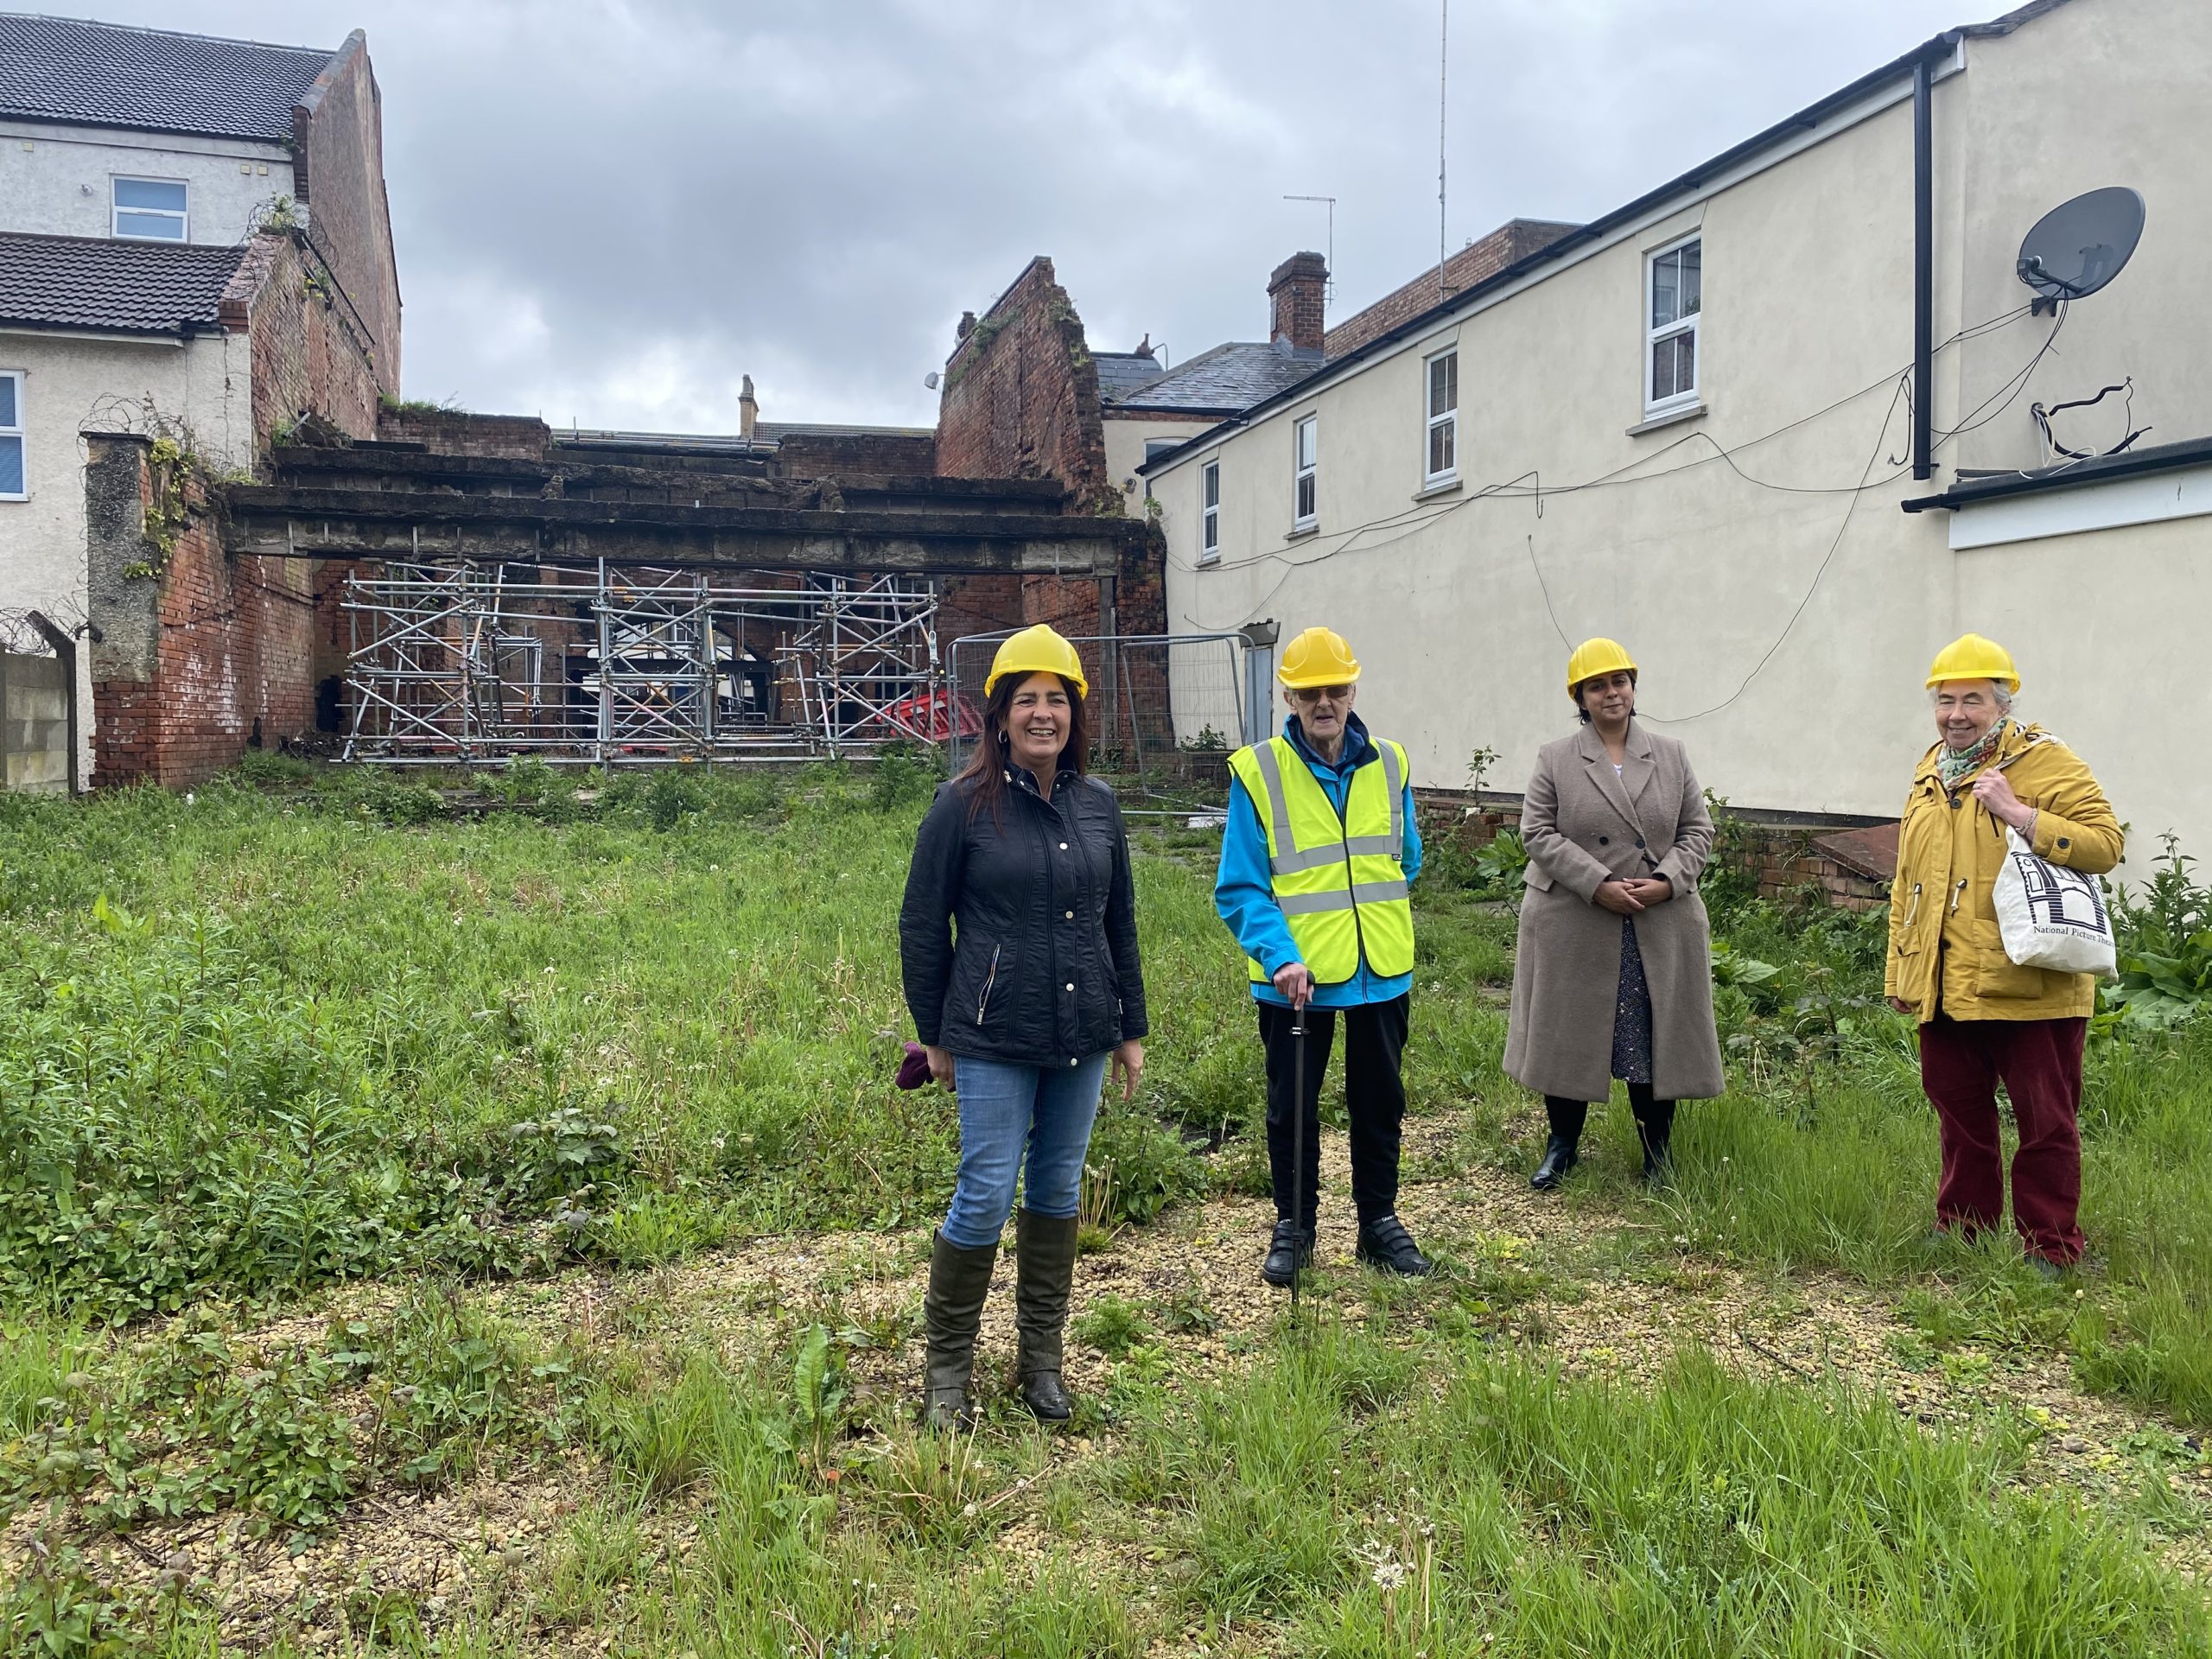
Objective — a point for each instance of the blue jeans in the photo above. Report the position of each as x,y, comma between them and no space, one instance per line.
1007,1108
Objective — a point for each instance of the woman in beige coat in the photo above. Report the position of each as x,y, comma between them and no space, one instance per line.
1613,974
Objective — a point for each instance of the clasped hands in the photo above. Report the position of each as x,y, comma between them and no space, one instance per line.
1626,897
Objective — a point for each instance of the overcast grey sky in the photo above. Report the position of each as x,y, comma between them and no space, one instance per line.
607,212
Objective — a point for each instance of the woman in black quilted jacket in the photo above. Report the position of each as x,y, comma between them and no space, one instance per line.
1018,940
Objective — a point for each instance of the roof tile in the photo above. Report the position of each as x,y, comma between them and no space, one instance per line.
102,75
1224,381
70,282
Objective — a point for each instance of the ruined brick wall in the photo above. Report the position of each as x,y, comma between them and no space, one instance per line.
824,454
1509,243
456,432
1020,396
198,656
309,356
337,171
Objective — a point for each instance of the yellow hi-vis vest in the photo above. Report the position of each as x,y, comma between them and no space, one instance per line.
1341,881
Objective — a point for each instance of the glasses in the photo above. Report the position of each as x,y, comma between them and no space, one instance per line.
1316,693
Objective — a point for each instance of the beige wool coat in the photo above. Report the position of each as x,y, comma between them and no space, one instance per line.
1583,825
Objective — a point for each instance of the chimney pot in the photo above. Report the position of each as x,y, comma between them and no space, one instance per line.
966,325
1297,293
748,410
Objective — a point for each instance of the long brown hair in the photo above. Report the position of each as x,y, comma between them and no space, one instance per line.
984,776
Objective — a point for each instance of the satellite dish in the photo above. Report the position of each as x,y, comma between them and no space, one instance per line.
2080,245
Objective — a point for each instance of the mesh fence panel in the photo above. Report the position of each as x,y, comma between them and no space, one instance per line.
1165,711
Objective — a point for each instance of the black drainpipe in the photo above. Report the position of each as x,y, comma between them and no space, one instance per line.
1923,265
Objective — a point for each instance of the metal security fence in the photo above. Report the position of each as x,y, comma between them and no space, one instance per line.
1166,709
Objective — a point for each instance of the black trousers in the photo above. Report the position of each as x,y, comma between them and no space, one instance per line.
1374,1100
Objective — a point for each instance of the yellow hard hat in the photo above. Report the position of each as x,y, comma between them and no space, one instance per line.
1317,657
1972,657
1037,650
1595,657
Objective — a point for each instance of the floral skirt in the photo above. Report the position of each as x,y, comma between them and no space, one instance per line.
1632,1014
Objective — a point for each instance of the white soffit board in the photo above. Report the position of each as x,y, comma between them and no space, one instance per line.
2146,500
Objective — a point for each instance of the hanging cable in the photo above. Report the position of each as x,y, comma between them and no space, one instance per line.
1826,559
1420,516
2052,446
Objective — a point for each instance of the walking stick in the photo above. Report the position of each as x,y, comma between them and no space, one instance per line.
1297,1149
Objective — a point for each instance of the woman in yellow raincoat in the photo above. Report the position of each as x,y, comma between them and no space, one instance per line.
1984,1018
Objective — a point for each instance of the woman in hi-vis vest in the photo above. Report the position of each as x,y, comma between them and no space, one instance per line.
1612,975
1315,860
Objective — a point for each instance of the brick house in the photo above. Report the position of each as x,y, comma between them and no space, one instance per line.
195,253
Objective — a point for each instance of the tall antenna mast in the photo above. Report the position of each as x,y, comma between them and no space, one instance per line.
1443,38
1329,287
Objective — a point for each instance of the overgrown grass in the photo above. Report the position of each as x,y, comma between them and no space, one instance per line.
1443,1497
1371,1490
300,1029
264,1040
260,1044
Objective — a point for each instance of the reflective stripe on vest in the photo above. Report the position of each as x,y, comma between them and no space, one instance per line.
1339,881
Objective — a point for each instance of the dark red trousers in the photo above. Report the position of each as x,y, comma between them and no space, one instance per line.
2039,1062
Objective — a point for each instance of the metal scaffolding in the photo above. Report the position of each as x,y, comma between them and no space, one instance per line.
471,663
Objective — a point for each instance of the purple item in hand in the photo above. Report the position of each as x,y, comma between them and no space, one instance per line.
914,1068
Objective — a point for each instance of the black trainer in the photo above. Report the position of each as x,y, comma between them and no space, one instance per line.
1290,1248
1387,1247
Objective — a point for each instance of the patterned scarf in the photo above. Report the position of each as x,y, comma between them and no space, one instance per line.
1955,766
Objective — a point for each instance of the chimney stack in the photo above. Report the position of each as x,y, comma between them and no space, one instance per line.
748,410
1296,293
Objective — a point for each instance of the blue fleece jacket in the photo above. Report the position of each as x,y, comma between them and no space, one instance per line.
1244,894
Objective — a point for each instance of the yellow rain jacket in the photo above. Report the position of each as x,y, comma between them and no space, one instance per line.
1945,951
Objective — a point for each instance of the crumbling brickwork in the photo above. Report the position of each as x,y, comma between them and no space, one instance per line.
843,455
337,171
1021,400
309,355
455,432
1020,396
198,656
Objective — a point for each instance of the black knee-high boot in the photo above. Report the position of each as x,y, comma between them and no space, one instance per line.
1562,1150
1655,1125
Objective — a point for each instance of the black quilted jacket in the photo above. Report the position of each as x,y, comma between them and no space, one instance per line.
1018,938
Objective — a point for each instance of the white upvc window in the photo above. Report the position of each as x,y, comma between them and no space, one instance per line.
154,210
1307,455
1673,295
1210,512
14,480
1443,405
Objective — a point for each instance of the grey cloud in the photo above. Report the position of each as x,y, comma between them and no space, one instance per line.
611,212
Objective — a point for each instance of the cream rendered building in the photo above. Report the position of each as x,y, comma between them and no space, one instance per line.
1689,425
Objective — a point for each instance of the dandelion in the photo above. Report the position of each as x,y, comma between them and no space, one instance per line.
1388,1575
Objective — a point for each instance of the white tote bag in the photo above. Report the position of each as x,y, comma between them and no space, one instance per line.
2051,917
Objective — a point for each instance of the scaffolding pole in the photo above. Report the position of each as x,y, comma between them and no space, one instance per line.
445,664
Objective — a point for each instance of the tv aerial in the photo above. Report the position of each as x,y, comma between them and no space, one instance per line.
2080,245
